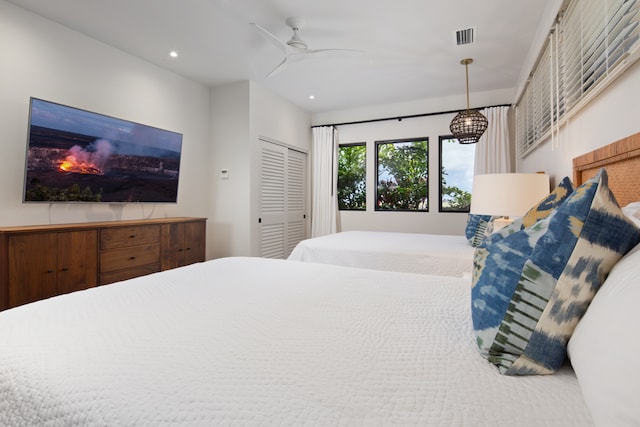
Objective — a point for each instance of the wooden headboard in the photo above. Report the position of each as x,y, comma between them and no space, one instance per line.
621,159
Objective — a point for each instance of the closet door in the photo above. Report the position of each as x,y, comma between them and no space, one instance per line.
282,215
296,225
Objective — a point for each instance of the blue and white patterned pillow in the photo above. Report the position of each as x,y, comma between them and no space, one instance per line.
545,206
539,211
476,228
531,288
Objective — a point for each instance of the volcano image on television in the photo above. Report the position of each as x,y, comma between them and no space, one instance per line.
75,155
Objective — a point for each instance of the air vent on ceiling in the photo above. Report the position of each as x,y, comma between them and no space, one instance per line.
465,36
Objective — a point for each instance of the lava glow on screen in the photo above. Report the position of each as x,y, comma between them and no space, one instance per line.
75,155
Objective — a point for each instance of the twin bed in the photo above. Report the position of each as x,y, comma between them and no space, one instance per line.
250,341
442,255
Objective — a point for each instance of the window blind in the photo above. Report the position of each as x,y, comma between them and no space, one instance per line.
587,49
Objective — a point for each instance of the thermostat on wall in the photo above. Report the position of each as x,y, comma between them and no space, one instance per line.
224,174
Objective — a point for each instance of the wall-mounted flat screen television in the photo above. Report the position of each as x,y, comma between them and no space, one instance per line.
74,155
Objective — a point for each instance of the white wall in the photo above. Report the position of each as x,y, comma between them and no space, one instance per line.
281,122
229,199
433,126
45,60
241,114
421,106
277,119
611,116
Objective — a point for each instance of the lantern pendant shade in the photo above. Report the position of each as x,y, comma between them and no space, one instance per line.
468,125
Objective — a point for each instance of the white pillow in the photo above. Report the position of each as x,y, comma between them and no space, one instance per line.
605,347
632,211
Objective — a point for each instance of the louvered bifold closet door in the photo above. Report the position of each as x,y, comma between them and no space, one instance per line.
272,200
282,214
296,227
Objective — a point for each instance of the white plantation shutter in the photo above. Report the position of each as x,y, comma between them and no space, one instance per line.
597,35
593,42
295,199
282,199
534,113
272,200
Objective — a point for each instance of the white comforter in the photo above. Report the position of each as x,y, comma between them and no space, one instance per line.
248,341
443,255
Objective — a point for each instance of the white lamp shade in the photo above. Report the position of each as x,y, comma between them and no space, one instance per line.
507,194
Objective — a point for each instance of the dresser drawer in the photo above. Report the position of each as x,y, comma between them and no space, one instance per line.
128,273
122,237
121,258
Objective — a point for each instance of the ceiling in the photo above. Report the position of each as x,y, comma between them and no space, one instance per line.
407,48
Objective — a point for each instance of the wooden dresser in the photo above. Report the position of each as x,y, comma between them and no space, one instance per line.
38,262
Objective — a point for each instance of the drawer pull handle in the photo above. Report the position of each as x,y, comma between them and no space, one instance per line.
49,271
188,249
132,257
64,269
133,236
180,250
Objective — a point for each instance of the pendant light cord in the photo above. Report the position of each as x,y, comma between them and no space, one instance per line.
466,67
466,63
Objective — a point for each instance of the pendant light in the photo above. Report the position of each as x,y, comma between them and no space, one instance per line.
468,125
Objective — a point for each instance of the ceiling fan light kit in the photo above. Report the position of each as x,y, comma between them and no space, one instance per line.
468,125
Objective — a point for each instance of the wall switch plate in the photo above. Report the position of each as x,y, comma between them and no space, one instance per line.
224,174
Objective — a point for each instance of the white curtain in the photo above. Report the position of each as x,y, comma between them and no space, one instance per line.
493,150
324,152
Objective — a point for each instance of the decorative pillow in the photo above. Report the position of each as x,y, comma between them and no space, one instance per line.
632,211
476,228
604,347
539,211
545,206
532,287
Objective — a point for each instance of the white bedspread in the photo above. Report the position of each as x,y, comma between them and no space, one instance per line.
248,341
443,255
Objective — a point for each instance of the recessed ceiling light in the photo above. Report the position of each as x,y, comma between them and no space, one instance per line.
173,54
312,97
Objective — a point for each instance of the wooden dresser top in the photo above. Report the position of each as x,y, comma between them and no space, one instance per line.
94,225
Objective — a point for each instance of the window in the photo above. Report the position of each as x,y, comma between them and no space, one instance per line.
456,174
352,174
587,50
534,119
402,175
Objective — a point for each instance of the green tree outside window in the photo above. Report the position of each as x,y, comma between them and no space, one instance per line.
352,177
402,175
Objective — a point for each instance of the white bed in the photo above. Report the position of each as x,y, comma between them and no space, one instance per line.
443,255
249,341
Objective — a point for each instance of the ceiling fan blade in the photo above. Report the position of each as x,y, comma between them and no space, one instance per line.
271,38
278,67
311,51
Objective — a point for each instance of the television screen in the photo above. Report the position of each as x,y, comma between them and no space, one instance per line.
75,155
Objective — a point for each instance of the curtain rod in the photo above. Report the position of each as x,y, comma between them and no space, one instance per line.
399,118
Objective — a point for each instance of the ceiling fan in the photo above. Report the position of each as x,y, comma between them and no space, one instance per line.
295,48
